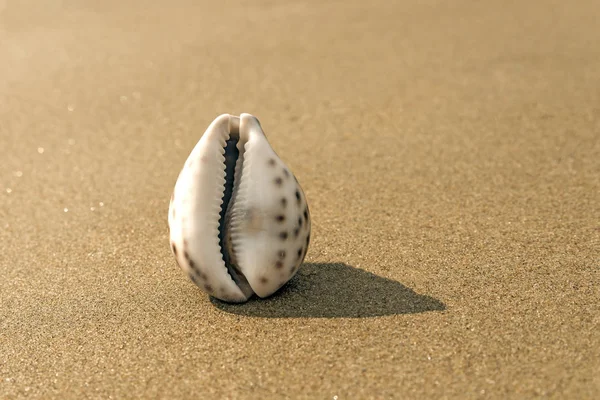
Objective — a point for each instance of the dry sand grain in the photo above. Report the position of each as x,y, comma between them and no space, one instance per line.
450,152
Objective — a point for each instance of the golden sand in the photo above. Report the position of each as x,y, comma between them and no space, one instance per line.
449,151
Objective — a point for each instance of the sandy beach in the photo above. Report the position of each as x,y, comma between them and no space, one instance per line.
449,153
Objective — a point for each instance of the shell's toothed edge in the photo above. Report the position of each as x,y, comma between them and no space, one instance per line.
225,232
237,212
233,214
221,196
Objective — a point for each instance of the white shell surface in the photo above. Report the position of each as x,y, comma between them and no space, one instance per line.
267,224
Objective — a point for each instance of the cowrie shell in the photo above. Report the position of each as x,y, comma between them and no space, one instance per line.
238,218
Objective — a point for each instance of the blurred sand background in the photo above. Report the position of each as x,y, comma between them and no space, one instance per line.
449,151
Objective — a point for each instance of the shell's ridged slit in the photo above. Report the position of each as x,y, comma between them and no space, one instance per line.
231,156
233,213
232,163
215,208
241,214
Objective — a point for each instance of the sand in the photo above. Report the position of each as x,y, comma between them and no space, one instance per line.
450,154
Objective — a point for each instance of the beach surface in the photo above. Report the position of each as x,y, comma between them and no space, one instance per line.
449,153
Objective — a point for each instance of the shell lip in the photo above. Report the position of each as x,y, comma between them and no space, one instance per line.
249,126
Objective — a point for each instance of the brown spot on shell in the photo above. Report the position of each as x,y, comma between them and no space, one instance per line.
286,173
300,250
194,267
306,213
263,280
297,196
279,264
283,235
208,287
296,232
174,248
280,218
283,202
278,181
281,254
272,162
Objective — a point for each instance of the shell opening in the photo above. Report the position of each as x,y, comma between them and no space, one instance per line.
232,154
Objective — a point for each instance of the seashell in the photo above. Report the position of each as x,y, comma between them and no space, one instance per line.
238,219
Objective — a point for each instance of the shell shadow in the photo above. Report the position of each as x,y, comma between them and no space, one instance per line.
335,290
